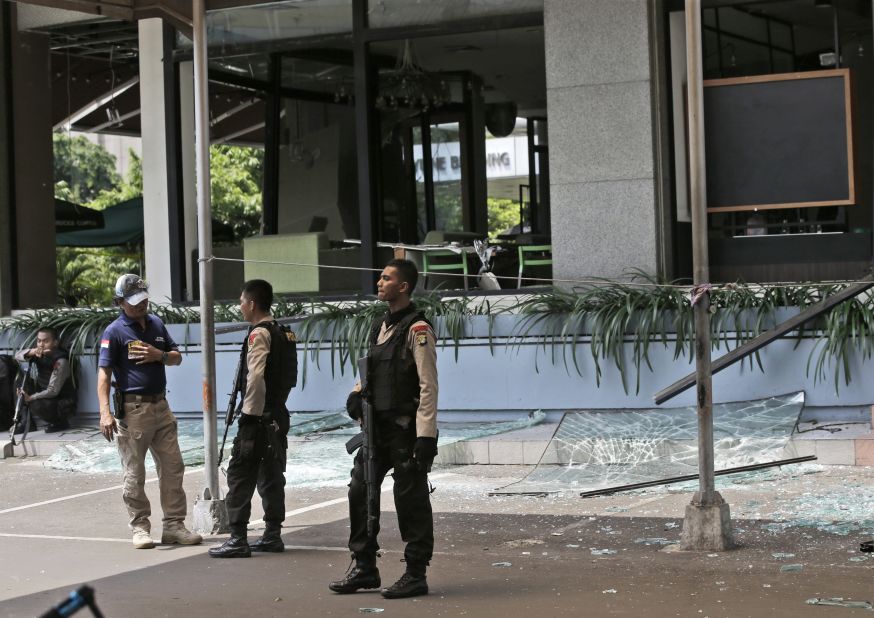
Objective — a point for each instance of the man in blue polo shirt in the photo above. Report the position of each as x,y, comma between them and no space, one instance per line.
134,349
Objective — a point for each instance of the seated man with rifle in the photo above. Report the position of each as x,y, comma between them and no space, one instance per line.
265,375
396,404
53,395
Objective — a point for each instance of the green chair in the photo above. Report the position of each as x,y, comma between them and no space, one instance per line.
533,255
441,260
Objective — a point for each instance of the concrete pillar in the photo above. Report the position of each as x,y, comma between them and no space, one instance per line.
161,216
601,161
7,171
34,170
189,188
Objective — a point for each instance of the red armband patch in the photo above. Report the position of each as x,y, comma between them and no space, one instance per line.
252,337
420,328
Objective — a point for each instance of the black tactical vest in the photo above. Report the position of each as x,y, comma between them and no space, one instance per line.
280,374
393,380
45,366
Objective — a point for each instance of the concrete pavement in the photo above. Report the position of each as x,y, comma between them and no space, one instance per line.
553,556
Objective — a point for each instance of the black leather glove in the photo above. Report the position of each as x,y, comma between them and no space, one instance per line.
353,405
424,453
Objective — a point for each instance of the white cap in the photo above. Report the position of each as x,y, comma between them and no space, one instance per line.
132,289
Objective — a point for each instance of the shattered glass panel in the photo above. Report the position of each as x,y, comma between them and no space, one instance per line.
316,453
608,448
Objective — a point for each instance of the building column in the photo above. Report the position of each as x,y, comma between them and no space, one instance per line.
34,170
601,160
162,211
7,171
189,187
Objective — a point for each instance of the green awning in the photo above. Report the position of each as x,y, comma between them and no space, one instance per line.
122,225
70,217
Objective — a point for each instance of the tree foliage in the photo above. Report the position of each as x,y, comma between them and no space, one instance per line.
503,215
236,178
131,187
86,276
82,169
85,174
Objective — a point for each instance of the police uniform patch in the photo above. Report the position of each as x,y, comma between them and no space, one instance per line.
421,338
292,338
252,337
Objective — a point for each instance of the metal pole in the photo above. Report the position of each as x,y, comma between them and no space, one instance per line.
204,247
700,259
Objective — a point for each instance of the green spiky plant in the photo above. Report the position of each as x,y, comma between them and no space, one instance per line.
641,311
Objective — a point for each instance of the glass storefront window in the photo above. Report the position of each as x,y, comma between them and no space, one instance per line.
386,13
278,20
421,200
447,165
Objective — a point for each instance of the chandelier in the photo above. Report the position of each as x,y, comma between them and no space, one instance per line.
409,86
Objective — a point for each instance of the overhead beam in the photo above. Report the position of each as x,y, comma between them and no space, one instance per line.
121,9
234,110
756,344
96,104
232,136
235,50
109,123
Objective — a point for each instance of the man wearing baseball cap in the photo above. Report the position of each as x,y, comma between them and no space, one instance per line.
134,349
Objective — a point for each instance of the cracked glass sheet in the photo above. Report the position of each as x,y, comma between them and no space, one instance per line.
316,455
608,448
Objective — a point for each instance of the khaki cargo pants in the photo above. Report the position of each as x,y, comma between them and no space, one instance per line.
151,427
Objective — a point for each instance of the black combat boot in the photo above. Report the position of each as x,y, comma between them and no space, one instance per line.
270,541
411,584
235,547
363,576
60,425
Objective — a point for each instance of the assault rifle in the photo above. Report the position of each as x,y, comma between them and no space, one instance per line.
367,441
234,407
21,407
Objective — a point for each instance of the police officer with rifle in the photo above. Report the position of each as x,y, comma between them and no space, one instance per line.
54,399
267,373
396,403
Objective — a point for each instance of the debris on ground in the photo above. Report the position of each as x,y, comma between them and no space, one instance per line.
841,602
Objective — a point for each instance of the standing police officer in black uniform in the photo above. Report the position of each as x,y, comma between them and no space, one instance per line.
54,399
402,390
268,373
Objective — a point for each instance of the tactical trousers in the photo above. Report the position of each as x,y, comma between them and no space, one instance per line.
151,427
259,465
53,410
394,450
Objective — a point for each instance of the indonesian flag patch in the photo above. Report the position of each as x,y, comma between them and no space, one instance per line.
421,333
104,343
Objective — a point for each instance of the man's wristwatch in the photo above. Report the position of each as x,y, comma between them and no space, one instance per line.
164,358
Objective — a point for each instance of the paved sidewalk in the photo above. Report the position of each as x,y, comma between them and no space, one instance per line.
496,556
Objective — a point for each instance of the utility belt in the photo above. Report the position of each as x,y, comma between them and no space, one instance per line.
409,409
137,398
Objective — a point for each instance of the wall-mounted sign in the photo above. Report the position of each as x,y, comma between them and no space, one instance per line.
506,157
